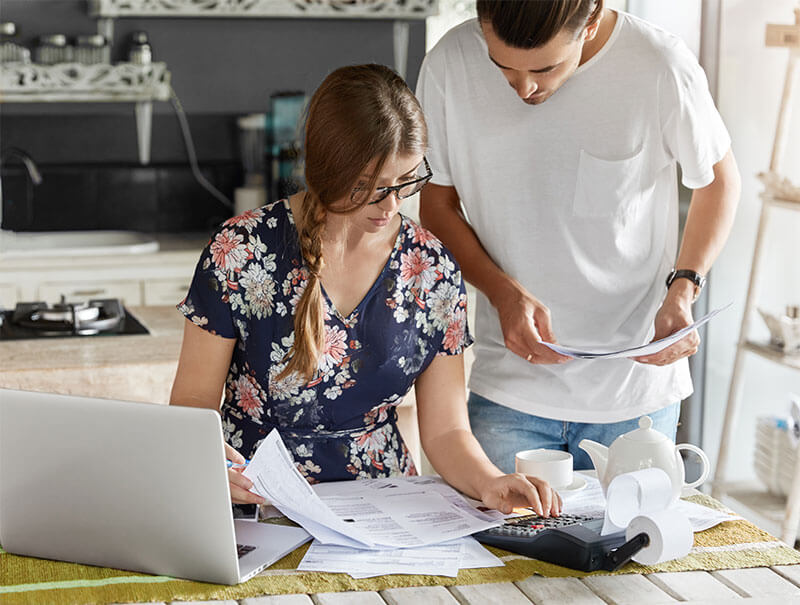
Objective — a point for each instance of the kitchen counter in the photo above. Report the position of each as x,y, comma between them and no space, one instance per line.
131,367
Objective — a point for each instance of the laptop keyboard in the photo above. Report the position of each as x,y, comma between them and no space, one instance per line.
243,549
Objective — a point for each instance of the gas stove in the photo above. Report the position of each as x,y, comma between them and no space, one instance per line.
99,317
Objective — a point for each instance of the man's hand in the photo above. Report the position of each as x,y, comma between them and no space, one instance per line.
675,313
525,322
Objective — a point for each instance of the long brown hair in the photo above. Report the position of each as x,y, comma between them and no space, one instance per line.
359,114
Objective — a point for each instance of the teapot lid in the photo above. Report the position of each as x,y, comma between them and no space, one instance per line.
645,433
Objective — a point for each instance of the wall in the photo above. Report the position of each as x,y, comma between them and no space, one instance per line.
750,85
221,68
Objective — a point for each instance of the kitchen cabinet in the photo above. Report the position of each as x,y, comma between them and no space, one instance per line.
165,291
150,279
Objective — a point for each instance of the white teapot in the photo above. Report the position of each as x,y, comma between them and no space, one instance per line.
643,448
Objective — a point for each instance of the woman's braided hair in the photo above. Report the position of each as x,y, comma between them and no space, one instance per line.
360,114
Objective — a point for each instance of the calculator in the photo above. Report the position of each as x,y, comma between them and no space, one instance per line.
572,541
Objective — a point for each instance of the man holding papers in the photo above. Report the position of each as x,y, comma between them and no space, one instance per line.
555,131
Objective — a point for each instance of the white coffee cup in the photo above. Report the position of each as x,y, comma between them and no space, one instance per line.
554,466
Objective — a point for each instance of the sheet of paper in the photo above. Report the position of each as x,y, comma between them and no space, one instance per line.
366,564
362,514
646,349
404,520
436,560
702,517
476,555
276,478
407,486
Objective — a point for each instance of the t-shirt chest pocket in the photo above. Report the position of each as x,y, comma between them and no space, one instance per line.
608,188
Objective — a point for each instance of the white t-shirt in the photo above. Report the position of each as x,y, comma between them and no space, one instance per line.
577,199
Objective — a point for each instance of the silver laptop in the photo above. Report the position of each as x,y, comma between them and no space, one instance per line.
133,486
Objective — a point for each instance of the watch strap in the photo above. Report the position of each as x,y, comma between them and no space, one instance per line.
693,276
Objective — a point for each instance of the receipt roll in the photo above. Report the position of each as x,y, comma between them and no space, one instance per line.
670,534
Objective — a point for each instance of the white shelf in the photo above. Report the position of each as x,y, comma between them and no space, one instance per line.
751,500
779,190
75,82
773,354
348,9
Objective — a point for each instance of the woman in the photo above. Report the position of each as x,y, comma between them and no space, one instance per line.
318,313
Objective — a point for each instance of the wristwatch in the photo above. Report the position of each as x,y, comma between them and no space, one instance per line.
693,276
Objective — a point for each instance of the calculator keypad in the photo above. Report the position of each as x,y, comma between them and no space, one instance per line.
530,525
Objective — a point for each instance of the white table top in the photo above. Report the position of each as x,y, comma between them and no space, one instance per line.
760,585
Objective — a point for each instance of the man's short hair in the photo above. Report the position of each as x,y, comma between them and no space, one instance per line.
533,23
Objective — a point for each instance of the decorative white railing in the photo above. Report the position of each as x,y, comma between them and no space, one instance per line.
75,82
371,9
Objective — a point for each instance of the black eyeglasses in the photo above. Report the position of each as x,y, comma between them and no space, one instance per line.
401,191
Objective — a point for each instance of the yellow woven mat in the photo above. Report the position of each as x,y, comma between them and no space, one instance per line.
25,580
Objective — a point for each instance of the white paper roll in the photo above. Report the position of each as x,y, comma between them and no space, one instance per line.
670,534
635,493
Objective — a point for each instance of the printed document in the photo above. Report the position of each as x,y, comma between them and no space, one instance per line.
647,349
380,513
440,559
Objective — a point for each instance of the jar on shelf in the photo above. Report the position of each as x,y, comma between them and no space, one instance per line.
10,50
51,49
140,51
92,49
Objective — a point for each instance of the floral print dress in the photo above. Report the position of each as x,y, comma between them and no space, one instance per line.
342,424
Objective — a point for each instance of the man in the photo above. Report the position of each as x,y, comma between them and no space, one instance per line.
555,129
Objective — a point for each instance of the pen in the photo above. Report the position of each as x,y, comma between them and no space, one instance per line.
237,464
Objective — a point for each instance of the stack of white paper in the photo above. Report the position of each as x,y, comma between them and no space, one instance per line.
444,559
375,526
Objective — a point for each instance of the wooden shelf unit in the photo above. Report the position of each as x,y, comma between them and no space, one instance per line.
779,193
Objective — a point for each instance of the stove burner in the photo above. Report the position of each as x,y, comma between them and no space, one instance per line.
83,319
96,317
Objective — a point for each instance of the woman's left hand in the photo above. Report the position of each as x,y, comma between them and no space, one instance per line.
239,484
506,492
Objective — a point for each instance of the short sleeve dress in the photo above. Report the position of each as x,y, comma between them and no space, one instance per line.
342,424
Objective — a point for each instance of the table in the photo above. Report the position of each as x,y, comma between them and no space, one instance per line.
758,585
776,585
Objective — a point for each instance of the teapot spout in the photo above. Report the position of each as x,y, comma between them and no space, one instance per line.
598,453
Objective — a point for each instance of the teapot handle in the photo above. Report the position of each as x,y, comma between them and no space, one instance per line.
703,458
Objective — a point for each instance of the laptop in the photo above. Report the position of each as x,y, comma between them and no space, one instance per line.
135,486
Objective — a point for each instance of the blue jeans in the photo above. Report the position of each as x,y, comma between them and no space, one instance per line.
502,432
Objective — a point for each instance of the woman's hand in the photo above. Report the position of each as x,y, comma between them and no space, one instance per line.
240,485
506,492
